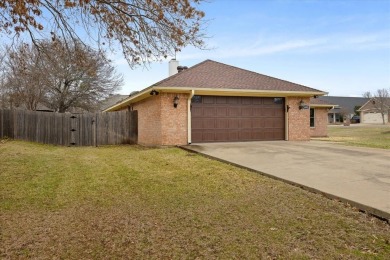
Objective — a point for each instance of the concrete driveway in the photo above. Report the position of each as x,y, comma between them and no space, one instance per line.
360,176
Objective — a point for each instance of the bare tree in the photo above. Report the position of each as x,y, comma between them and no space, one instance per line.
143,30
24,77
61,76
367,94
4,97
380,100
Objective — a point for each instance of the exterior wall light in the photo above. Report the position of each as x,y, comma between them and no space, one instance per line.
302,105
175,101
154,92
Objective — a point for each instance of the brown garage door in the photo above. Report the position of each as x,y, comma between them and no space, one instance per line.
219,119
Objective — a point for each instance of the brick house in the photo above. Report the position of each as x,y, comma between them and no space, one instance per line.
215,102
370,112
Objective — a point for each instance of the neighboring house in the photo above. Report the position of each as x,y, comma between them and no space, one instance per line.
370,112
346,107
215,102
112,100
319,117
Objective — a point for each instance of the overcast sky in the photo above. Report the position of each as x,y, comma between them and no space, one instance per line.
341,47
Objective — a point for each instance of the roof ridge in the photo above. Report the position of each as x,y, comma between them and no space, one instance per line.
179,73
257,73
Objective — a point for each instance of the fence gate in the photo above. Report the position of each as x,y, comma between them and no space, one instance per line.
74,130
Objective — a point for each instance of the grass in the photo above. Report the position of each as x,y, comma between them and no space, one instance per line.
360,135
134,202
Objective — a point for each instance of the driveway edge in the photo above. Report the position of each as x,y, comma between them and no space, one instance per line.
361,207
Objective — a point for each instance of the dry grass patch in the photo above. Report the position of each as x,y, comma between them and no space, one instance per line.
360,135
133,202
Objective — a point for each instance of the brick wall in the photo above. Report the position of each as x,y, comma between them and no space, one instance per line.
160,123
149,120
298,120
320,128
174,123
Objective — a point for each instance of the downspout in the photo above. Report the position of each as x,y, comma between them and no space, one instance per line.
189,116
286,118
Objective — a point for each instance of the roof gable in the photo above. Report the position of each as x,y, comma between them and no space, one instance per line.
370,104
215,75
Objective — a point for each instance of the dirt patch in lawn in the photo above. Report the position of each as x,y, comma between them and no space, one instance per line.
132,202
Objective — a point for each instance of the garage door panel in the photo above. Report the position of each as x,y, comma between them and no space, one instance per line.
245,135
246,100
374,118
233,100
257,101
276,122
258,123
221,111
221,135
268,112
208,100
221,100
196,135
234,123
246,123
234,111
208,123
234,135
197,123
258,135
257,112
268,101
268,122
196,112
269,135
209,111
208,136
219,119
246,111
222,123
279,113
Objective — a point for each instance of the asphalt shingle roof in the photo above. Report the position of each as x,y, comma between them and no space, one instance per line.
319,101
216,75
347,104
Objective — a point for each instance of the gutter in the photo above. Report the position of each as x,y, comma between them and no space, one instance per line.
211,92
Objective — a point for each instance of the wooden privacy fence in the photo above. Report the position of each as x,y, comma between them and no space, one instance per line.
89,129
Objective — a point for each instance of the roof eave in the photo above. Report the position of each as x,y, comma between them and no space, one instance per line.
211,92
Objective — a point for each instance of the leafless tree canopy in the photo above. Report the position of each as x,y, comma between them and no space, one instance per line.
367,94
4,102
142,29
59,75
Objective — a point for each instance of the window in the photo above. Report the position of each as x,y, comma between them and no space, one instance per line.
311,117
278,100
196,99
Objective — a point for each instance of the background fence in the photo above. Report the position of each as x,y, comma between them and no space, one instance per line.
89,129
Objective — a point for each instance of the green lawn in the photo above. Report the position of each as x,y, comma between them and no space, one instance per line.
359,135
133,202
